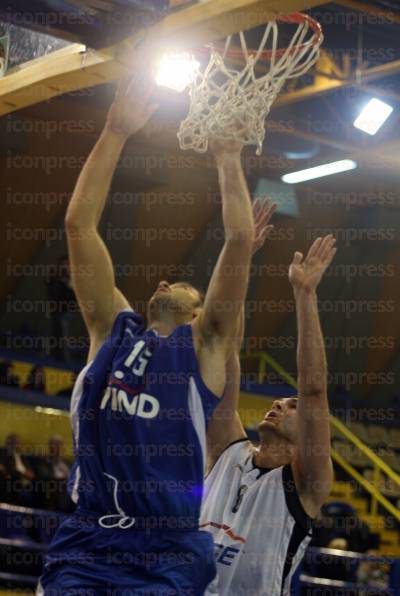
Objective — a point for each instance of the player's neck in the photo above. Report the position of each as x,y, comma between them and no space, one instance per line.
275,453
165,324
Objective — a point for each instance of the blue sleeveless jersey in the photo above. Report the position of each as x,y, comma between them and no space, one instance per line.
139,413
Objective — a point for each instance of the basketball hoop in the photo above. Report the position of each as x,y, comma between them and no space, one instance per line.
231,102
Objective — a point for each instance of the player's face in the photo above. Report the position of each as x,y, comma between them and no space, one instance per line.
281,419
179,298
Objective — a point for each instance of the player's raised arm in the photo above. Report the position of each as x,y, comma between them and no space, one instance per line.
215,328
313,466
91,267
225,425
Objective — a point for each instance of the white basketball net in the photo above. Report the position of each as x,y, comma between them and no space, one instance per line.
232,104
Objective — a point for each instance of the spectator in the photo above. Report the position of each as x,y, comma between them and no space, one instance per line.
36,380
7,376
373,574
53,471
339,568
62,297
338,544
339,520
15,474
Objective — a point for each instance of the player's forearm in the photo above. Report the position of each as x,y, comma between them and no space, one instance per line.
311,358
228,285
313,410
91,190
236,205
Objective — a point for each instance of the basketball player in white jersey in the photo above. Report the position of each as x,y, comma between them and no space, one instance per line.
260,501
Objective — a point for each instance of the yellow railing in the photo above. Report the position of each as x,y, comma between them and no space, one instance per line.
379,466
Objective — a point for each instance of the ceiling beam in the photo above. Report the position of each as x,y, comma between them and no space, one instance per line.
388,15
324,84
385,153
72,68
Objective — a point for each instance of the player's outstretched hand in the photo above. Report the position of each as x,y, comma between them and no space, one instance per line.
262,213
306,273
133,105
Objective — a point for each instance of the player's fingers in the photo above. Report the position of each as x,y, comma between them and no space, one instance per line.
265,205
325,241
267,230
256,206
297,258
256,217
268,213
326,247
314,248
262,235
329,257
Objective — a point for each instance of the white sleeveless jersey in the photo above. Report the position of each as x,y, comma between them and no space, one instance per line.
259,526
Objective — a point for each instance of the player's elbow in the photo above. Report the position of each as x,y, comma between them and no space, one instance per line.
71,222
75,225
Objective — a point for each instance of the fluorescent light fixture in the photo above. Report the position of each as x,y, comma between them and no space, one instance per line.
372,116
326,169
176,71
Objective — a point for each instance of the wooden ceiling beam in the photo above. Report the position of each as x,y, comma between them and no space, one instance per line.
74,68
388,15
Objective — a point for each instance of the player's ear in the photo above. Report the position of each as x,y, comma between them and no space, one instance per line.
196,312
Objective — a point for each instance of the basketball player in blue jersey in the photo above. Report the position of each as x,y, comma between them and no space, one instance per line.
260,501
140,406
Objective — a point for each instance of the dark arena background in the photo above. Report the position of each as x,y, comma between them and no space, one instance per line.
59,63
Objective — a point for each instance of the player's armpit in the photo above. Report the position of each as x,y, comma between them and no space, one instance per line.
97,335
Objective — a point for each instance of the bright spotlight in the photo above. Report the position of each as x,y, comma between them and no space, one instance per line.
319,171
176,71
373,116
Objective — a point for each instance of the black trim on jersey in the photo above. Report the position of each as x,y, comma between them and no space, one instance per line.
302,527
297,537
223,451
234,443
261,470
293,502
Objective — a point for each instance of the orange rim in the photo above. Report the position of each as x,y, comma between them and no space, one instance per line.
295,18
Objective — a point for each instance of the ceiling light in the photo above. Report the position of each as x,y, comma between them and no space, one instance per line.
176,71
372,116
319,171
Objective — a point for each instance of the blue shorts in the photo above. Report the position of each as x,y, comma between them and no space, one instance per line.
88,560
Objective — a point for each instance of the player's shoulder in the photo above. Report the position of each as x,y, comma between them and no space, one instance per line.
234,453
239,446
